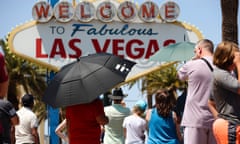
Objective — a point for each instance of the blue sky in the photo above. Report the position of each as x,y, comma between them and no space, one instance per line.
203,14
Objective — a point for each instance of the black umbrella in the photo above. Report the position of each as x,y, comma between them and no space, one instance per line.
84,80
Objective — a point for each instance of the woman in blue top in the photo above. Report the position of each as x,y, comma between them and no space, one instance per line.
162,121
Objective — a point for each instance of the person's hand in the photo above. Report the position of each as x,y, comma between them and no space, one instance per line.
195,57
236,59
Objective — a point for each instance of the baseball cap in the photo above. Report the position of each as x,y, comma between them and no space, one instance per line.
141,104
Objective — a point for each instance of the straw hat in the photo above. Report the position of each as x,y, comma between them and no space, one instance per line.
117,94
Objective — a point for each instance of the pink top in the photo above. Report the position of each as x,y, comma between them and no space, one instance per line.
199,76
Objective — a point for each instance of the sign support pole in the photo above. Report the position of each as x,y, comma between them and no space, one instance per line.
53,117
53,114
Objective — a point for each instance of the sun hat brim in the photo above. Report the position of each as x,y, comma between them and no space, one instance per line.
117,97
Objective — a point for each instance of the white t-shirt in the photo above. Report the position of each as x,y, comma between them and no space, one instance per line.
136,127
28,120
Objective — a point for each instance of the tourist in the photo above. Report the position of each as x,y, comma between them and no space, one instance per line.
116,114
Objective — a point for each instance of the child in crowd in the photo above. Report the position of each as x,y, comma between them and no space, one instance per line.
135,125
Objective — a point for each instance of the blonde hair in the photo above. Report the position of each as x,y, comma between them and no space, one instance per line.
224,54
138,110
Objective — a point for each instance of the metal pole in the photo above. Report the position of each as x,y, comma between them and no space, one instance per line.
53,117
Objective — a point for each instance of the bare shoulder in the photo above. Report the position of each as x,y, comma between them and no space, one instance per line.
148,114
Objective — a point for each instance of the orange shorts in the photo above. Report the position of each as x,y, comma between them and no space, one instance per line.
226,133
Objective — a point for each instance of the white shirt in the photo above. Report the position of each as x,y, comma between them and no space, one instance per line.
136,127
28,120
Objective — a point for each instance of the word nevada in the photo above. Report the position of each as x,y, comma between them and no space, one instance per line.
106,11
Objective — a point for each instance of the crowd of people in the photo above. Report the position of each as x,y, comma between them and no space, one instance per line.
207,113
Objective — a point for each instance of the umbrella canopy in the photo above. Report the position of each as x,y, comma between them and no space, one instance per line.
84,80
181,51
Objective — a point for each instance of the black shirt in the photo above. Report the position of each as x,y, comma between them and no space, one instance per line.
7,111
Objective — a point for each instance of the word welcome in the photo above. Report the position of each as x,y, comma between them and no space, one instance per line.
105,11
